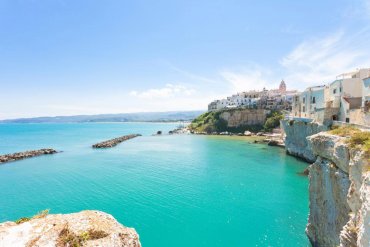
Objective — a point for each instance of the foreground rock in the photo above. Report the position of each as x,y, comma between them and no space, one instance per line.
296,143
26,154
339,194
86,228
115,141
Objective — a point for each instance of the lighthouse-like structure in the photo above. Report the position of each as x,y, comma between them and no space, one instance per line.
282,87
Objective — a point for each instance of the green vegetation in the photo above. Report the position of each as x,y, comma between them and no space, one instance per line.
273,121
356,137
210,122
68,238
39,215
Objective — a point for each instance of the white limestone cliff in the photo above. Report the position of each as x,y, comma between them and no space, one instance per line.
296,133
339,194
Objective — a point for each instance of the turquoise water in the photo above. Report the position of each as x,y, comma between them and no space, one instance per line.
178,190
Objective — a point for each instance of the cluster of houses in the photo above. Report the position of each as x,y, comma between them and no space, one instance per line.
274,99
346,99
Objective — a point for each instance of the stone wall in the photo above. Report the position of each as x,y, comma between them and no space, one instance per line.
244,117
339,194
296,133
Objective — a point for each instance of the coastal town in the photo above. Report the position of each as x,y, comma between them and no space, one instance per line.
346,99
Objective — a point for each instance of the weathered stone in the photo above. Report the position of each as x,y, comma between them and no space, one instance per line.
244,117
115,141
47,231
296,133
328,207
331,147
26,154
339,194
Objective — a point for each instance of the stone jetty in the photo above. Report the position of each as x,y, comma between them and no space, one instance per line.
27,154
114,142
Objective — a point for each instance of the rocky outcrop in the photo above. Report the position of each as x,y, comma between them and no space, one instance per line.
339,194
114,142
244,117
86,228
27,154
296,133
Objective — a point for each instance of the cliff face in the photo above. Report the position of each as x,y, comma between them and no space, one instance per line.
86,228
243,117
339,194
296,138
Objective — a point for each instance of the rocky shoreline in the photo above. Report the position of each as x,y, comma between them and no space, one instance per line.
86,228
24,155
115,141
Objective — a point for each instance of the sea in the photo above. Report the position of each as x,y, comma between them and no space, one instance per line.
175,190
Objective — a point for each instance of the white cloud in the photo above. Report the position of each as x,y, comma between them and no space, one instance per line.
319,60
250,77
170,90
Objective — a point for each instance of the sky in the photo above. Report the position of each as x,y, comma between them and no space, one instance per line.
61,57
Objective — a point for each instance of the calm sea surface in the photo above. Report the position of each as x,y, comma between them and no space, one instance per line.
176,191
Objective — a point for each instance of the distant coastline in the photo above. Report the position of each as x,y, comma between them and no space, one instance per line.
152,117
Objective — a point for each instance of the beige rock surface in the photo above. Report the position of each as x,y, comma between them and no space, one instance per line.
296,133
339,194
242,117
46,231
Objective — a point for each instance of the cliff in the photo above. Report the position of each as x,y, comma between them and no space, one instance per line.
339,193
86,228
296,133
232,120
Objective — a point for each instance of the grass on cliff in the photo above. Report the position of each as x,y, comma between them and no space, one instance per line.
67,238
356,137
39,215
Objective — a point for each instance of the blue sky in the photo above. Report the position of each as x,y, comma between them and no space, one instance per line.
60,57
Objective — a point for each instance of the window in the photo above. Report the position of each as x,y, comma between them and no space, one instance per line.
304,99
340,89
313,100
334,91
304,109
347,120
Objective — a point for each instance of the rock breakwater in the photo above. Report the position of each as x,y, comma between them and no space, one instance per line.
27,154
115,141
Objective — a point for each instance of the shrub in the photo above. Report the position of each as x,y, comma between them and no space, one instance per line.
273,121
345,131
68,238
39,215
356,137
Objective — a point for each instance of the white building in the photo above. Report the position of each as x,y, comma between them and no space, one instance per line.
267,99
342,100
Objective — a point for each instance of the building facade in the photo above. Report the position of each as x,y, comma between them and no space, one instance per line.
345,100
275,99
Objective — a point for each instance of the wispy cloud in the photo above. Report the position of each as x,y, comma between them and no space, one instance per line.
319,60
168,91
247,78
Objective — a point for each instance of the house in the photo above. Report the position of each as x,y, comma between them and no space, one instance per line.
345,100
310,103
275,99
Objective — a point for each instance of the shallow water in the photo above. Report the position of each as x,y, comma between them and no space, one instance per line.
179,190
